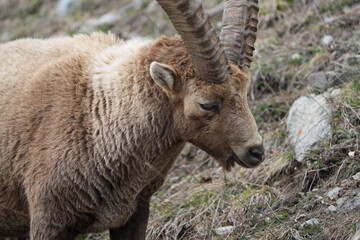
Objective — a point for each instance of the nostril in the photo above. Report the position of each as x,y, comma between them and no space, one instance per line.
257,151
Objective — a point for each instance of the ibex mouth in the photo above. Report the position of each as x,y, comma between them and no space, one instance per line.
248,163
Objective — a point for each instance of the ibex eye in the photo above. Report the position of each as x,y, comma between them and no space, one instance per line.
210,106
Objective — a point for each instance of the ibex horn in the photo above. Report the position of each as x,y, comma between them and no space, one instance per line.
200,38
238,33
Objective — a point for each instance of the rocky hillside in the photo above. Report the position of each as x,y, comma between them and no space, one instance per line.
305,96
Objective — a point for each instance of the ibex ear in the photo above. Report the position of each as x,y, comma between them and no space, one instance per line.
163,75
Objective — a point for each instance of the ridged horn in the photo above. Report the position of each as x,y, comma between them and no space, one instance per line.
199,37
238,33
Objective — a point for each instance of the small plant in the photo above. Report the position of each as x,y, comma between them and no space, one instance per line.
77,14
283,5
105,27
34,6
283,215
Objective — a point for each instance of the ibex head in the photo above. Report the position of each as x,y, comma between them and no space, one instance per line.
208,88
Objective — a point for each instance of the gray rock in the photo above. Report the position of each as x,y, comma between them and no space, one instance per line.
222,231
110,18
334,192
308,124
295,56
334,93
270,145
332,76
341,201
174,179
356,177
310,222
356,236
92,24
64,7
4,37
351,204
316,79
327,40
332,208
323,81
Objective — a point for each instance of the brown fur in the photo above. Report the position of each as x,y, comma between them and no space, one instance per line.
87,136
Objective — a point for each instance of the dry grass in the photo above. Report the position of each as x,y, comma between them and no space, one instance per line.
294,45
275,200
272,201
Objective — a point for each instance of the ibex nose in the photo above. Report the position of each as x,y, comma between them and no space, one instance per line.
256,154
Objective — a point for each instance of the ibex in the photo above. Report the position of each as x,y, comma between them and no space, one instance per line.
90,125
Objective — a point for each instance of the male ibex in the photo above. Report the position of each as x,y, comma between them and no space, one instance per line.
91,125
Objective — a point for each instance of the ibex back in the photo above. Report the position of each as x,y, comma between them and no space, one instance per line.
91,125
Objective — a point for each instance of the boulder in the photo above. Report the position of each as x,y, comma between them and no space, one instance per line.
308,124
333,193
356,236
322,81
351,203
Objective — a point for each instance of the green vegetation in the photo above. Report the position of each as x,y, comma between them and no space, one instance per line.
283,215
34,6
104,28
308,19
271,110
77,14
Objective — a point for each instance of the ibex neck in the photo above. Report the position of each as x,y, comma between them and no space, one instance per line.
131,117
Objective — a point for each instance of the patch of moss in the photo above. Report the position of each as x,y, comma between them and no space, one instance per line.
351,94
34,6
104,28
71,32
307,20
283,215
77,14
197,199
283,5
353,61
311,230
81,237
131,12
164,208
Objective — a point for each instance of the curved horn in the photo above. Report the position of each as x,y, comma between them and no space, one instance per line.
238,33
199,37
